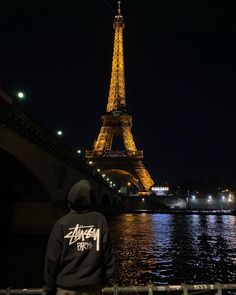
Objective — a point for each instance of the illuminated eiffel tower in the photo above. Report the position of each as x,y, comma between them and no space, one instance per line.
128,163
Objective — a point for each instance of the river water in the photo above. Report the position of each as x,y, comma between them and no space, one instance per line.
174,249
149,248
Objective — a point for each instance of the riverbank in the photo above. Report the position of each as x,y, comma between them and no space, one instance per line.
179,211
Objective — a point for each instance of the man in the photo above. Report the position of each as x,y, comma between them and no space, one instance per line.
79,257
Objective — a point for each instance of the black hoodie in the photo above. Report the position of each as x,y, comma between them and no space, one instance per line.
79,251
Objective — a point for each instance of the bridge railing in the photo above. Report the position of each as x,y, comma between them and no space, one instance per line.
28,291
184,289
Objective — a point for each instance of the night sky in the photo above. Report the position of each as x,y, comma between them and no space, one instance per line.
180,67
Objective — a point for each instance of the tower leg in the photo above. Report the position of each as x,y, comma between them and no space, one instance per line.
104,136
144,176
128,140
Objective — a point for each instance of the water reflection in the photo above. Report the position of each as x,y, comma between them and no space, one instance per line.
171,249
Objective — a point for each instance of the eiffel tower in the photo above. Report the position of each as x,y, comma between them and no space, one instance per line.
128,163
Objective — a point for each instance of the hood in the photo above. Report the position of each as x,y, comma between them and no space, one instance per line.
80,194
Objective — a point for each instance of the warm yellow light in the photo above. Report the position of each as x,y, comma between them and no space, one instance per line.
116,109
116,99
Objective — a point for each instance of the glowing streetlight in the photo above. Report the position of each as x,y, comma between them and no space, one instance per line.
209,199
128,188
59,132
78,151
21,95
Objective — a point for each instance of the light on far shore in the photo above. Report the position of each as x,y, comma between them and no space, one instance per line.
59,133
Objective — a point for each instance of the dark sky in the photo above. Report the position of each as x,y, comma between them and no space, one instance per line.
180,67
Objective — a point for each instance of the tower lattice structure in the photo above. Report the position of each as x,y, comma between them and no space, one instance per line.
128,162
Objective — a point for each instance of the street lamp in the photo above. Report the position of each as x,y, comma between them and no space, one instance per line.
209,201
209,198
187,202
21,95
223,201
128,187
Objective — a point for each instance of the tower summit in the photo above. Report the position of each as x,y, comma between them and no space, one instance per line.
128,162
116,99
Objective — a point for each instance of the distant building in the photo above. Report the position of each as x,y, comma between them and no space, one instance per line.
160,190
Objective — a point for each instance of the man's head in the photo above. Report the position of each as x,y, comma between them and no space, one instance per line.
80,194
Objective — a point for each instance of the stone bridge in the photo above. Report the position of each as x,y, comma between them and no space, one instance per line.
37,170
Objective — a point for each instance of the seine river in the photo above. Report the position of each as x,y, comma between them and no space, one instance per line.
174,249
150,248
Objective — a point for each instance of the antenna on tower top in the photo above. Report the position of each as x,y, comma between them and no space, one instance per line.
119,11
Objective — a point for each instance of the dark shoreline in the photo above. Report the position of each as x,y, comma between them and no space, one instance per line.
179,211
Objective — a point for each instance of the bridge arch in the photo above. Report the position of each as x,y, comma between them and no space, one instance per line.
18,182
125,175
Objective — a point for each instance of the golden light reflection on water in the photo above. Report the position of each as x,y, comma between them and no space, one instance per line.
170,249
